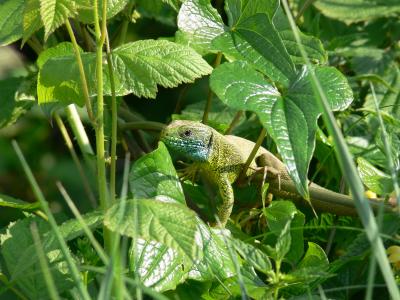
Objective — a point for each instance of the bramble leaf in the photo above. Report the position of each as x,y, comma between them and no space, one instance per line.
154,176
11,14
172,224
138,68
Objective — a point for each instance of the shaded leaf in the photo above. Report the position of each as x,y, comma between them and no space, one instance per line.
375,180
11,15
253,256
278,214
17,248
16,98
85,9
358,10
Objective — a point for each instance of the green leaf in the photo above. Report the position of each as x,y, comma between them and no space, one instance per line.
261,34
85,9
253,256
358,10
252,36
32,21
314,257
139,67
231,288
54,13
60,50
157,266
11,15
173,3
238,10
313,46
375,180
172,224
16,99
278,214
290,116
217,261
17,250
72,228
154,176
282,245
199,23
158,10
220,115
7,201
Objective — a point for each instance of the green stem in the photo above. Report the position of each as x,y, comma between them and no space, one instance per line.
303,9
35,45
253,153
144,125
79,132
114,123
100,151
125,24
210,93
85,88
234,122
75,158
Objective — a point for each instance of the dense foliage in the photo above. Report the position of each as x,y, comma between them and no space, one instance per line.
109,217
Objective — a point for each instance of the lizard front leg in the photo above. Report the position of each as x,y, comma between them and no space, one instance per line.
226,192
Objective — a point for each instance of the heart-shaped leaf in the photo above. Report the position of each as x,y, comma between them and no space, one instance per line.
290,115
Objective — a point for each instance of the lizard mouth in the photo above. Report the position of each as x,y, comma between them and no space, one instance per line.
173,141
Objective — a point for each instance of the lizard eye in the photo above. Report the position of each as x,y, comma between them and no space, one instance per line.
186,133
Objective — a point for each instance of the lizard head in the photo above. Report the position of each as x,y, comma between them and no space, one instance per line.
190,139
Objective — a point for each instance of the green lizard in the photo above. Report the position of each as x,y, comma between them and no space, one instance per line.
222,157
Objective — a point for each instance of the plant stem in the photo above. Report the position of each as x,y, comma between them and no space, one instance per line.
100,151
35,45
114,123
75,158
79,132
303,9
145,125
125,24
85,88
253,153
234,122
210,93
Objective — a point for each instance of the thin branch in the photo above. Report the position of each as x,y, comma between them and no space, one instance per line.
85,88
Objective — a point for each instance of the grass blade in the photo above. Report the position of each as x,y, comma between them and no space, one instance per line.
48,278
349,171
53,224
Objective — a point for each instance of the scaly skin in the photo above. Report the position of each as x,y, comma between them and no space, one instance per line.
222,158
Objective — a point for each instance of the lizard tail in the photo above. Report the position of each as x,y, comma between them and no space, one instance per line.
324,200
